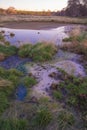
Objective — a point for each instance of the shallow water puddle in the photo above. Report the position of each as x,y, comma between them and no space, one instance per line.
19,37
14,62
21,92
22,36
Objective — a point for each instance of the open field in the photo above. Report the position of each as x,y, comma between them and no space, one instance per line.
30,18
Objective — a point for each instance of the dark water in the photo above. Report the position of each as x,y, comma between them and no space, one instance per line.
21,92
14,62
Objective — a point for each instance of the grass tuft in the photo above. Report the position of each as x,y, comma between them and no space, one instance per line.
38,52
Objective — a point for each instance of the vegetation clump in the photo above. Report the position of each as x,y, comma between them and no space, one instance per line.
29,81
65,120
9,79
38,52
73,91
43,117
1,37
14,124
78,44
8,50
4,103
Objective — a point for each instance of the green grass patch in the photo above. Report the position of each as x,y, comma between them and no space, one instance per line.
38,52
72,90
14,124
29,81
57,95
1,37
76,92
3,102
43,117
79,38
65,120
8,50
9,79
70,39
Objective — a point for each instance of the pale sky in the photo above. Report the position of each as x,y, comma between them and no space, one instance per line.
34,4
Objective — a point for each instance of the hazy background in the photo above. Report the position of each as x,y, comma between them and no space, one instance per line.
37,5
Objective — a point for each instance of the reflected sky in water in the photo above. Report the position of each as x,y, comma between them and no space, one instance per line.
23,36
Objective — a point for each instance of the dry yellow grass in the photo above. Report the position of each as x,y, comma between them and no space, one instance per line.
5,83
27,18
76,32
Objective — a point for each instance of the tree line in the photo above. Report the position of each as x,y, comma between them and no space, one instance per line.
75,8
12,10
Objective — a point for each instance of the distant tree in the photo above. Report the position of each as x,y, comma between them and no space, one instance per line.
11,10
76,8
2,11
73,8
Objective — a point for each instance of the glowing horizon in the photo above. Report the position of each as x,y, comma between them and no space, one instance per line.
34,5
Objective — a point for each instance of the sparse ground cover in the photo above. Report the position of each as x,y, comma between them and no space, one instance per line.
79,42
78,39
73,92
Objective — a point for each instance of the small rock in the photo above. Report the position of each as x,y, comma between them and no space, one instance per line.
53,74
54,86
34,99
38,32
30,74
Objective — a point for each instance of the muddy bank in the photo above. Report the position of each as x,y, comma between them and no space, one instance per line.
35,25
32,25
